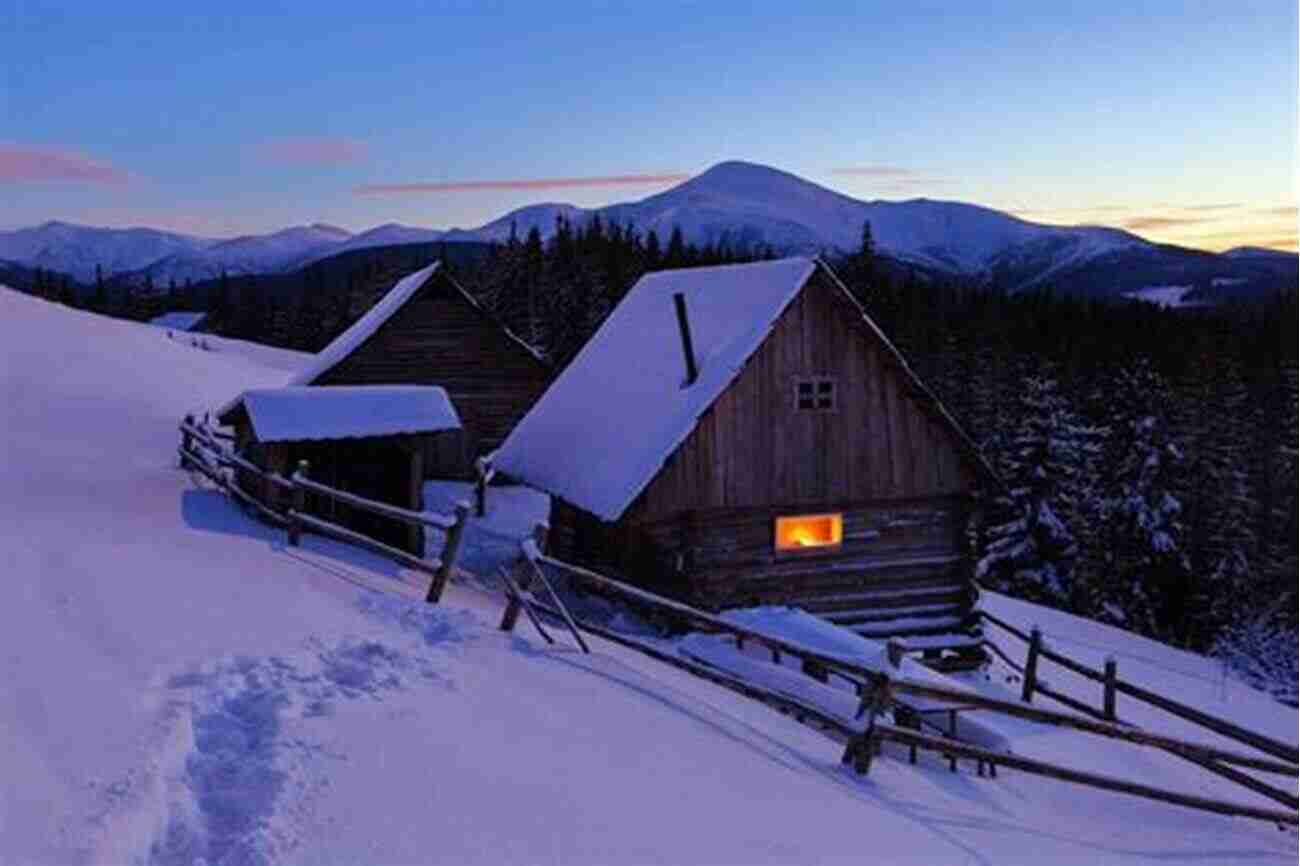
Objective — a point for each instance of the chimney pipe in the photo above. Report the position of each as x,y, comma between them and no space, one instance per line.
692,373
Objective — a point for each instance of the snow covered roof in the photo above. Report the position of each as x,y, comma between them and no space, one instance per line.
607,424
347,411
364,328
178,321
604,429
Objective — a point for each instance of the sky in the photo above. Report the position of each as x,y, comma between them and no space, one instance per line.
1175,120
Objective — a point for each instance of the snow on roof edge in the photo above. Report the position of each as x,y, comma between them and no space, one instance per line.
365,327
652,461
320,413
925,389
758,337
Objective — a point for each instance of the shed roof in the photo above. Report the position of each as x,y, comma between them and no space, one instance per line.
298,413
605,427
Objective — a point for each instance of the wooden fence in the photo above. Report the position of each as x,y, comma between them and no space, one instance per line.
878,691
1037,650
201,450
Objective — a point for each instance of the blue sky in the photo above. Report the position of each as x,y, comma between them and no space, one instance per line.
1177,119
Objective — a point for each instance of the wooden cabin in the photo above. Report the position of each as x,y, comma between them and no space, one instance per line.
367,440
746,435
427,330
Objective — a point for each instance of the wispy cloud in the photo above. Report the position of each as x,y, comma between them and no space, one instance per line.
1284,211
1140,223
324,150
874,171
1198,208
542,183
22,164
891,178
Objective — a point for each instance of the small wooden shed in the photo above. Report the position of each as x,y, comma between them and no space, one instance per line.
427,330
745,435
367,440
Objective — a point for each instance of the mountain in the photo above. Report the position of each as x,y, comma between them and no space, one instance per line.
748,204
740,203
387,235
250,254
76,250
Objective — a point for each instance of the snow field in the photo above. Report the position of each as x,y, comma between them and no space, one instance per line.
181,687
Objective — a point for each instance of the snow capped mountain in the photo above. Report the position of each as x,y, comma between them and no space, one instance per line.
250,254
385,235
741,203
76,250
750,204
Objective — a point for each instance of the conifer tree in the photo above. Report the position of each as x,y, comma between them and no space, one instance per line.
1032,552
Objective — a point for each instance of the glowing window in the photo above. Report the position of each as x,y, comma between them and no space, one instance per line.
809,530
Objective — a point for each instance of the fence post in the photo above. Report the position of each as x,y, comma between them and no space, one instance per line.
449,551
186,439
298,503
511,614
1031,665
480,487
895,650
1108,696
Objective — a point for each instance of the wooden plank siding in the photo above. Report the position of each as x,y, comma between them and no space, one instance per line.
703,528
755,448
440,338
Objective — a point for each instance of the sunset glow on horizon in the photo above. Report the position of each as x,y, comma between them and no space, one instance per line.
1172,121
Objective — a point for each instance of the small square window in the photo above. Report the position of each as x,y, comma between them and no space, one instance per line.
815,394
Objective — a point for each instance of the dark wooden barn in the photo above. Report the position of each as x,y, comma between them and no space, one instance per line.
428,331
745,435
367,440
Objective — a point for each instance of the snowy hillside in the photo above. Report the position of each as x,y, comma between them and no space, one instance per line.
181,687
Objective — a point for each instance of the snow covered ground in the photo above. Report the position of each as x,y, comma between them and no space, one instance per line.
1163,296
181,687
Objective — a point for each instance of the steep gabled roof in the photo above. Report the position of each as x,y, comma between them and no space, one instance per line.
605,427
342,346
299,413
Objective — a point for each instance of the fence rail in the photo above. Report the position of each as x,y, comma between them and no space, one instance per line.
1112,685
200,450
877,688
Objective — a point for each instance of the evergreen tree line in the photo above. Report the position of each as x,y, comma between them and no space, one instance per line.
1149,454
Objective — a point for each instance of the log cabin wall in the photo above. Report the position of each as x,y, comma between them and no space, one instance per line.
879,456
755,448
440,338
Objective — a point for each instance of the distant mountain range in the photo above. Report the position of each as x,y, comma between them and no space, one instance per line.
743,203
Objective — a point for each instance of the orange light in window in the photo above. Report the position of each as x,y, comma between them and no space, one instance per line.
809,530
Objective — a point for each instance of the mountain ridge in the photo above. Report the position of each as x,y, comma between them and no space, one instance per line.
735,202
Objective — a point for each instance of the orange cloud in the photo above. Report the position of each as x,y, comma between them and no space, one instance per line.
1161,222
522,184
311,151
19,164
